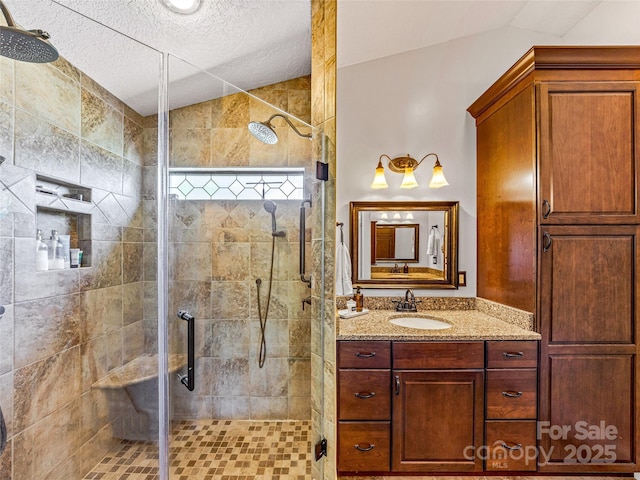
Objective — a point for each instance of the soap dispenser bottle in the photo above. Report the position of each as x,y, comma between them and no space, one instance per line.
42,253
359,298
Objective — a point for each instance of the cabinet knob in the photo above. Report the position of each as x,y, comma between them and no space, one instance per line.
367,447
365,395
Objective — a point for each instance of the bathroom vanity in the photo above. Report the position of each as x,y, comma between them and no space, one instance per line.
425,401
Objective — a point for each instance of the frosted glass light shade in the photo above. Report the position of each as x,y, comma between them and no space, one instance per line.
409,180
182,6
438,179
379,181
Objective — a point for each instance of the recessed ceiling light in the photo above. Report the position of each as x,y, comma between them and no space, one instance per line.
182,6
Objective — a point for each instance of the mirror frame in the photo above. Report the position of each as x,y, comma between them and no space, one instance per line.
450,209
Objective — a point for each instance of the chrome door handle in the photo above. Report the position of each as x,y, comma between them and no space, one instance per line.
188,380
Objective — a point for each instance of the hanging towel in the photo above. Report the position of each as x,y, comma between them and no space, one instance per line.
343,271
431,244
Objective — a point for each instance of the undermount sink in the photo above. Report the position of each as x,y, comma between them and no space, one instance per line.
421,323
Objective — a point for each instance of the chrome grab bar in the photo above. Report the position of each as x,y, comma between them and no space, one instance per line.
303,214
188,380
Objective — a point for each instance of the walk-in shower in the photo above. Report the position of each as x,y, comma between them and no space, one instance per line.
178,211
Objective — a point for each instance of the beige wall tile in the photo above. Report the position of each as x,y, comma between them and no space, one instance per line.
45,91
101,123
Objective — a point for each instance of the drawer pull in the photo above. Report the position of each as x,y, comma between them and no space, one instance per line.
511,394
512,354
397,379
365,354
367,448
517,446
365,395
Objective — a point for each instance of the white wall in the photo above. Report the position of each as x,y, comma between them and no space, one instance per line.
415,103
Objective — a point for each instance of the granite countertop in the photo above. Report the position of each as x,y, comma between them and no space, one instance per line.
466,325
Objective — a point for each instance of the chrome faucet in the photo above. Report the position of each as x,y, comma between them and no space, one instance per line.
408,304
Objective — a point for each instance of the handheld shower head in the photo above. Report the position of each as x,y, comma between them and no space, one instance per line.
271,207
24,45
265,132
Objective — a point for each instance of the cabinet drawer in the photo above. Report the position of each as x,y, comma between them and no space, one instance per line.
373,354
364,446
364,394
512,354
510,445
512,393
430,355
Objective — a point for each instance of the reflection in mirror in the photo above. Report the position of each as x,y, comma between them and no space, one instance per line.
404,244
397,243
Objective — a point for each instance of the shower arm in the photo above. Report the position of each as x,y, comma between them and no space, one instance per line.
11,23
302,242
304,135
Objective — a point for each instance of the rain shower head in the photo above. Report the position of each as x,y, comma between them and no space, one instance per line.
271,207
266,133
24,45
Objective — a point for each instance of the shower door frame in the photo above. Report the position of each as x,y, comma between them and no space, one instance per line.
318,310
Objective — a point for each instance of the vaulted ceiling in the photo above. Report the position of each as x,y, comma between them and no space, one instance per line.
251,43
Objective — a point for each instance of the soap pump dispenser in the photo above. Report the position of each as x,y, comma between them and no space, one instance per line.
359,298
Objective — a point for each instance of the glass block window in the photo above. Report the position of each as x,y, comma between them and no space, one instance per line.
236,184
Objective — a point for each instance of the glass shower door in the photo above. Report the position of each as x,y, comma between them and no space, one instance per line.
233,214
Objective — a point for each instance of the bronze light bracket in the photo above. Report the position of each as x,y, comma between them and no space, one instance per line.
400,164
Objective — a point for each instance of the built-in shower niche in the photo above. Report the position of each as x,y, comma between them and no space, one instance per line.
65,207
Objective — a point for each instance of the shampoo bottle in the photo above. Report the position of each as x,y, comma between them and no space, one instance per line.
42,253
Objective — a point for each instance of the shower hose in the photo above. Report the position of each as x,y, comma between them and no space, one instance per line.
263,318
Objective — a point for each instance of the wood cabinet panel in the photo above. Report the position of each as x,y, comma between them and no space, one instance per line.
364,446
511,445
506,196
431,355
589,393
588,283
367,354
512,354
364,394
512,393
589,152
437,421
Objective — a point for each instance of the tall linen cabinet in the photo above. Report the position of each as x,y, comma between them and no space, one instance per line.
558,165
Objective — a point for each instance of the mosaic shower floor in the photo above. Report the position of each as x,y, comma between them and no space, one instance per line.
218,450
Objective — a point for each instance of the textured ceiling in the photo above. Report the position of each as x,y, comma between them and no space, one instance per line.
251,43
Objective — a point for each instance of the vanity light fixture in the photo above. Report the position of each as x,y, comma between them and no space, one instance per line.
407,165
182,6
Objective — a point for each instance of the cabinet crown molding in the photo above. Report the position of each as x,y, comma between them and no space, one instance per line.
540,58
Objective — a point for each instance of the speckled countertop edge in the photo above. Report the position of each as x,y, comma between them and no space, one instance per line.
513,316
466,325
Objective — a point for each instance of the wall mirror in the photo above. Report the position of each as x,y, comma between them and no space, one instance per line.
404,244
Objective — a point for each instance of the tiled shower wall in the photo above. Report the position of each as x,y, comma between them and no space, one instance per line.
218,250
63,330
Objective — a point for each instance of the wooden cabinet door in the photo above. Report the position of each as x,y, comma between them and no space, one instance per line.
437,420
589,155
589,296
